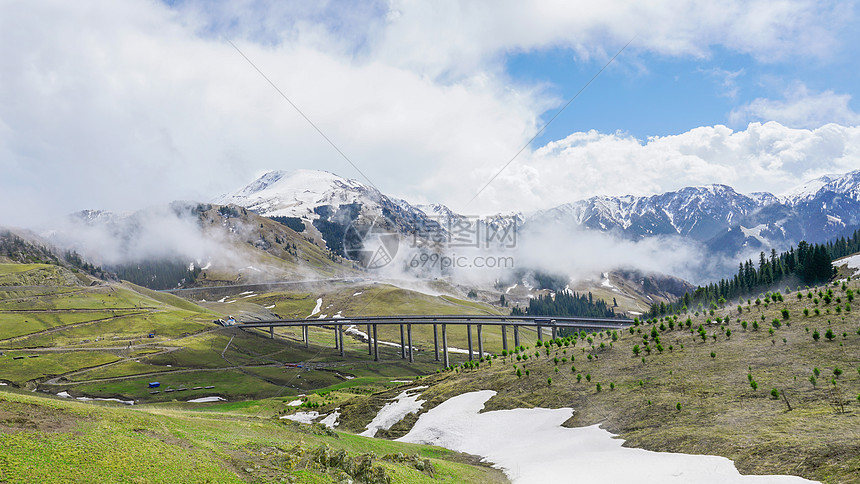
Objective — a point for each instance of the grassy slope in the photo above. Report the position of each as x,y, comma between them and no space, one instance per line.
49,440
92,341
720,412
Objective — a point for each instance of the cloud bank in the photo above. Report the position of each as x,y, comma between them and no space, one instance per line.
119,105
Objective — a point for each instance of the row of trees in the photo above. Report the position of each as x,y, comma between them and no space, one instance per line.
808,264
158,274
566,304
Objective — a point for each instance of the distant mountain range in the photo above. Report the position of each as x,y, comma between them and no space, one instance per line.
725,221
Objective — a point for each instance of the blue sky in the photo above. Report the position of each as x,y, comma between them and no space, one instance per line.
651,95
147,102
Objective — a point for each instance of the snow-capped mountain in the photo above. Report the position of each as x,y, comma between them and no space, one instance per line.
723,219
330,203
298,193
847,185
696,212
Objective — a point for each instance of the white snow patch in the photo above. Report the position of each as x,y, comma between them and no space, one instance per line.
331,420
512,287
246,292
208,265
853,262
317,307
223,299
338,315
294,403
606,282
528,458
230,302
356,294
755,233
394,411
88,399
303,417
65,394
270,307
401,381
207,399
3,384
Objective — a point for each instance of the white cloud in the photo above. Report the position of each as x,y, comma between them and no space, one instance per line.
762,157
801,108
727,80
446,35
119,105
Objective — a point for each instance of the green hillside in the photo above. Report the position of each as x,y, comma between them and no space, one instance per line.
773,385
53,441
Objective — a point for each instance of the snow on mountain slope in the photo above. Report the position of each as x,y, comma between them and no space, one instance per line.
847,184
697,212
297,193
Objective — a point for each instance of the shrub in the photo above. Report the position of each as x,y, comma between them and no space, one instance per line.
588,377
549,381
612,385
829,334
815,335
813,380
837,371
578,377
678,405
753,385
774,393
599,387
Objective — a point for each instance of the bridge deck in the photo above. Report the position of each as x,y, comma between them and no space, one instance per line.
516,322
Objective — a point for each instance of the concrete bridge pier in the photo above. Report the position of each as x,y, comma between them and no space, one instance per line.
409,337
369,343
554,332
375,345
272,332
469,338
402,343
306,335
435,342
516,335
336,345
480,344
445,346
540,332
505,337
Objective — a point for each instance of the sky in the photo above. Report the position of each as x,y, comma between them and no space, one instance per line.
124,104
